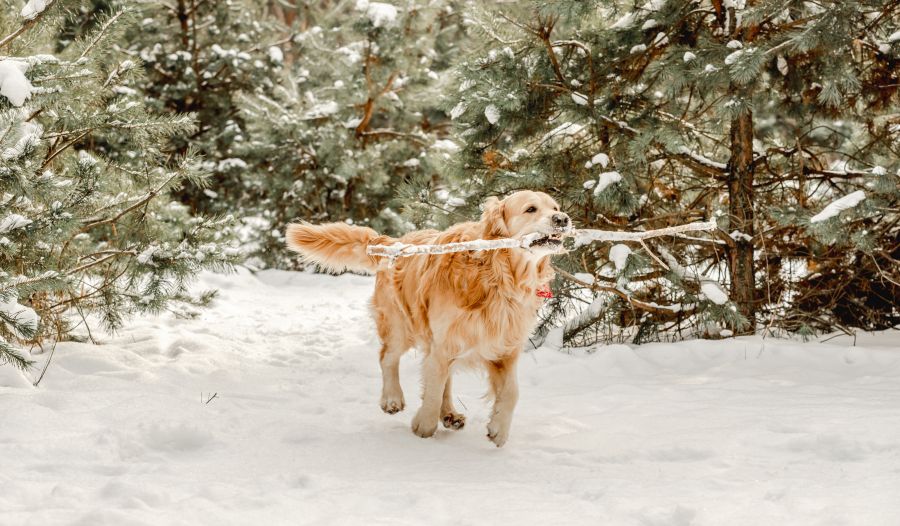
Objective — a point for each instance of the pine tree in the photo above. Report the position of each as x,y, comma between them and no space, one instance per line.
768,115
87,225
198,58
356,114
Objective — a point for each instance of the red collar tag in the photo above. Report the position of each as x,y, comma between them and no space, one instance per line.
545,292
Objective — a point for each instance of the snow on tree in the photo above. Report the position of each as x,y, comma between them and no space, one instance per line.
199,57
356,114
87,225
761,113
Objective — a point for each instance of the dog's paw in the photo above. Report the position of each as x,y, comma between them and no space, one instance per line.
497,433
454,420
391,405
423,427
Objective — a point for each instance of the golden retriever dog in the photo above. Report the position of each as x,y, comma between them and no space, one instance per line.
474,308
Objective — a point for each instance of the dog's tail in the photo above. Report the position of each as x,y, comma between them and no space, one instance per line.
336,246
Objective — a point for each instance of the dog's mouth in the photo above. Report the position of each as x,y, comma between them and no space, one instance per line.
548,240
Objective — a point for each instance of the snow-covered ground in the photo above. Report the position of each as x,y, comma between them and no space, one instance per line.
730,432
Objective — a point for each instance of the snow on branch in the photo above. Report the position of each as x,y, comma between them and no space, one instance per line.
838,206
582,237
402,250
32,13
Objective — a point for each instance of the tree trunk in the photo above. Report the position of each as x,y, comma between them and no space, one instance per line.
740,198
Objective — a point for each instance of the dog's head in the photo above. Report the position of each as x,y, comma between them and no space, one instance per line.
526,212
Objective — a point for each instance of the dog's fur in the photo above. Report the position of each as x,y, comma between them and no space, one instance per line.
465,308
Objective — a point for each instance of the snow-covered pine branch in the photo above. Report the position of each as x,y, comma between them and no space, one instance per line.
582,237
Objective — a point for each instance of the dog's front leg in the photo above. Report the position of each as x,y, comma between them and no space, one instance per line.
435,369
505,388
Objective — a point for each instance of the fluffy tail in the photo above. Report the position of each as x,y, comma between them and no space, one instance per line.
335,246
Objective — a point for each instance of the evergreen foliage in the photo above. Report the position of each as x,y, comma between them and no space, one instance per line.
87,223
199,57
356,113
760,113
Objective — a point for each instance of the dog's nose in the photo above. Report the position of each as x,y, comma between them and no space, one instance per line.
560,220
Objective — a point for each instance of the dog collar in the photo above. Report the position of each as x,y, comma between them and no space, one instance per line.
544,291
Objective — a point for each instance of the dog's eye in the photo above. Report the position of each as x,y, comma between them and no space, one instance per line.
531,210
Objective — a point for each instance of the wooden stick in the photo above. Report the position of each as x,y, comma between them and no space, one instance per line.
582,237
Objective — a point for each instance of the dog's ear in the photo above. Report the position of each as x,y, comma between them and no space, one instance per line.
494,219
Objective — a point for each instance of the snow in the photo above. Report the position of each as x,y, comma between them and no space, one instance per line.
585,277
713,292
491,113
445,145
402,250
601,158
379,13
20,314
322,109
264,410
733,57
12,222
702,159
276,54
738,235
563,130
232,163
13,83
895,36
146,257
29,134
33,8
782,65
838,206
458,110
626,21
606,179
618,254
579,98
688,56
640,48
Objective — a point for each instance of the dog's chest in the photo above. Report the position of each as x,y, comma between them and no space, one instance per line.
488,333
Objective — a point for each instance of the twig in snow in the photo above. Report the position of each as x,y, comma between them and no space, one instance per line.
46,365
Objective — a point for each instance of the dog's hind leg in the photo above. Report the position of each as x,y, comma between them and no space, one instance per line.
394,342
449,417
391,393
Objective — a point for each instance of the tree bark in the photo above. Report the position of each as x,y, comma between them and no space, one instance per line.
740,198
